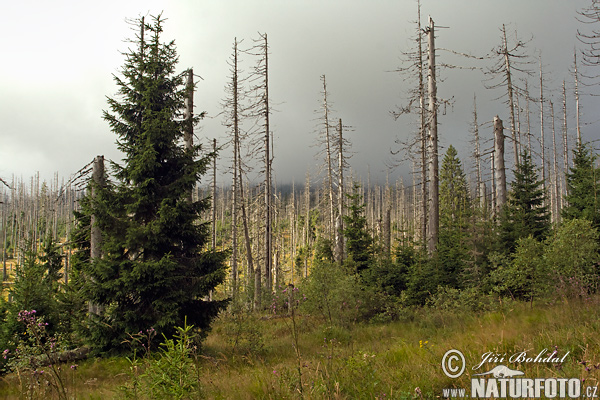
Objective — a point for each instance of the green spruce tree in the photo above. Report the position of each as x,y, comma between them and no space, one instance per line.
156,268
455,214
583,188
359,242
524,213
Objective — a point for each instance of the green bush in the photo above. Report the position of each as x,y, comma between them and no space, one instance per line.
173,374
573,255
333,292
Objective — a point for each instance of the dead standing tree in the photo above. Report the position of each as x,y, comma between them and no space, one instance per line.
416,67
509,60
499,169
434,212
261,110
324,143
342,148
233,116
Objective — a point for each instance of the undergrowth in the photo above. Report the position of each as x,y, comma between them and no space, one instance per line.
271,356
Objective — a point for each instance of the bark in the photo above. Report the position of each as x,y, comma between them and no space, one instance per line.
423,132
433,145
542,145
329,157
509,87
339,228
576,76
555,194
499,170
96,234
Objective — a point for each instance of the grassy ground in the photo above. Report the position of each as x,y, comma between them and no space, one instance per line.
257,357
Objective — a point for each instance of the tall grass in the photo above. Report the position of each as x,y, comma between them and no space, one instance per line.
255,357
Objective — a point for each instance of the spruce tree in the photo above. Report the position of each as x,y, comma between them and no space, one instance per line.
583,188
455,211
359,243
156,268
524,213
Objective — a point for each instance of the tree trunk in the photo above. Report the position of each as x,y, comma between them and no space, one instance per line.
542,145
499,170
511,105
555,196
96,234
434,213
339,242
576,75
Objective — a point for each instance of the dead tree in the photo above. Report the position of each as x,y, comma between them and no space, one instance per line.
434,212
416,67
590,40
325,145
555,192
564,132
577,110
261,109
342,146
542,143
499,169
480,185
510,59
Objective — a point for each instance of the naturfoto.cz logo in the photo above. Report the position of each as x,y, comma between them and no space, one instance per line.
501,381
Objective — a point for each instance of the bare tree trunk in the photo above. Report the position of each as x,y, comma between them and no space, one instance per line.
499,170
248,243
329,160
339,241
509,86
96,233
565,139
555,196
4,229
542,145
477,150
423,131
576,74
434,213
214,198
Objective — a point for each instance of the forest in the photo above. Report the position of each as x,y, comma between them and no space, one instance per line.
153,278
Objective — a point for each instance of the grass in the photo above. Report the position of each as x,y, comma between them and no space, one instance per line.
255,357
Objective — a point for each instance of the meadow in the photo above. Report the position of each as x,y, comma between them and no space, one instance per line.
270,356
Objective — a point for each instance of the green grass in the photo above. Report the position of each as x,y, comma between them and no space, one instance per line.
367,361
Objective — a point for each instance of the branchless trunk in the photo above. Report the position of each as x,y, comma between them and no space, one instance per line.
339,241
542,144
422,130
499,170
509,87
576,75
433,145
329,161
555,194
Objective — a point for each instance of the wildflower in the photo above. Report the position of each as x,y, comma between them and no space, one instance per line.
5,353
74,367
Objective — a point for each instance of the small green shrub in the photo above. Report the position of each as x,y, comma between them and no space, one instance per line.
172,374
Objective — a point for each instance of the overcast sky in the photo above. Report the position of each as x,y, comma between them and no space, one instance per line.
59,57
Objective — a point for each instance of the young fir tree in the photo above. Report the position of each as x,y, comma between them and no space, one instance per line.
524,213
455,212
583,188
359,243
155,268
